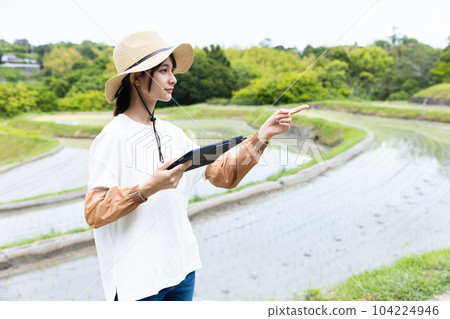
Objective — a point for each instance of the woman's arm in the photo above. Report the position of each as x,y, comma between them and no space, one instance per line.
106,205
278,123
229,171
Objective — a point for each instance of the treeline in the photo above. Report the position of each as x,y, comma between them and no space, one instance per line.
72,76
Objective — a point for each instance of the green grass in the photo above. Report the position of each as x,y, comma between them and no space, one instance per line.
17,145
388,110
52,234
21,138
44,195
438,92
52,129
412,278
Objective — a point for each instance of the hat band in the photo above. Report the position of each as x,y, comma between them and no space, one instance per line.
147,57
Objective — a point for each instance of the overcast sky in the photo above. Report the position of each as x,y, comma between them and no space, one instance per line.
226,22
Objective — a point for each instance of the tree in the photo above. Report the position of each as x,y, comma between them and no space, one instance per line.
268,90
47,100
441,71
11,74
85,101
41,50
60,60
310,50
385,45
207,78
87,50
22,42
215,52
338,53
15,99
265,62
60,86
6,91
282,48
367,65
266,43
410,72
333,76
87,83
373,60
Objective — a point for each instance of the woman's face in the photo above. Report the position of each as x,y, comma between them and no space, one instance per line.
165,82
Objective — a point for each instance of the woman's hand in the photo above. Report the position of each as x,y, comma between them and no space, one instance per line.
163,178
278,123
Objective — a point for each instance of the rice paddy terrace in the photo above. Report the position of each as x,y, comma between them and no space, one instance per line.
391,201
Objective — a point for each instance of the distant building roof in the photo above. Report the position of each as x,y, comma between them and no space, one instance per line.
12,58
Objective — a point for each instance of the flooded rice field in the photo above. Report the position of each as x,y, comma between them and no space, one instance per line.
390,201
68,169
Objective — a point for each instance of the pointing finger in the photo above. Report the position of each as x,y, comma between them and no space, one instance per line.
298,109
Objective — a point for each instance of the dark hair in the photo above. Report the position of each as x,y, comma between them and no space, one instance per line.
124,92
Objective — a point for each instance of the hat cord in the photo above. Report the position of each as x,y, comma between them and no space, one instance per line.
153,120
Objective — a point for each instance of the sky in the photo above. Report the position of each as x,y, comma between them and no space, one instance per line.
228,22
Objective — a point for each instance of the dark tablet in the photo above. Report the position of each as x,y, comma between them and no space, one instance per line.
207,154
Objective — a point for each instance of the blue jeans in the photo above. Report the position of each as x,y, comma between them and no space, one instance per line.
184,291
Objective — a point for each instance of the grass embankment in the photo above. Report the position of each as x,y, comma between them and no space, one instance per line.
52,129
52,234
388,110
436,92
412,278
17,145
44,195
21,138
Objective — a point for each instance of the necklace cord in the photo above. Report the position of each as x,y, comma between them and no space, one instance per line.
153,120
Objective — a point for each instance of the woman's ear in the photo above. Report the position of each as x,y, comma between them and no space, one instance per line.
134,79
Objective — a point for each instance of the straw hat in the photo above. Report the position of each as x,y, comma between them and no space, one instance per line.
141,51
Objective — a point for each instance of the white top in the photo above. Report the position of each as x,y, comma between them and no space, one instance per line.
153,247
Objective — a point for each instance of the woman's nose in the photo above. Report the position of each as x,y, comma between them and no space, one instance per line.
173,79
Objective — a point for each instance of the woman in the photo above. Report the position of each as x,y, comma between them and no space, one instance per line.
138,208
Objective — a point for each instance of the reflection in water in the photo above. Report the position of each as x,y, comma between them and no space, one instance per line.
387,203
272,162
417,138
61,217
65,216
33,222
390,201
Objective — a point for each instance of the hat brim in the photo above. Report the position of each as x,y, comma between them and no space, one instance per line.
183,54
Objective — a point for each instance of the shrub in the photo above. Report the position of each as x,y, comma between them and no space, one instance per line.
87,101
268,90
15,99
399,95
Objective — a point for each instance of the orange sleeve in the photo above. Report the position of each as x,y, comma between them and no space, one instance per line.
105,205
229,171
